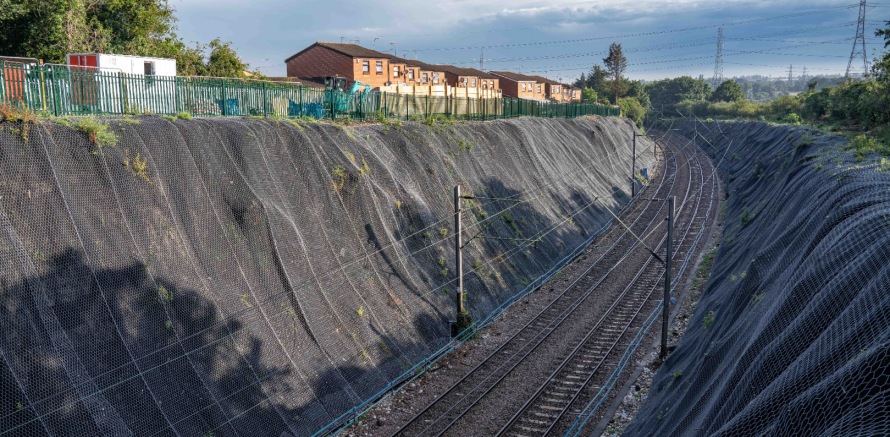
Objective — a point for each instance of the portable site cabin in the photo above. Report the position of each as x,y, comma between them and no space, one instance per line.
110,83
124,64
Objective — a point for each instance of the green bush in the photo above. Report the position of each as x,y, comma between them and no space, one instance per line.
632,109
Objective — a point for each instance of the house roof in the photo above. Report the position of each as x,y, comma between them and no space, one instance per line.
543,79
462,71
416,63
351,50
516,77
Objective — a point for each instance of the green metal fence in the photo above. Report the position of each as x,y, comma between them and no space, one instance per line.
70,90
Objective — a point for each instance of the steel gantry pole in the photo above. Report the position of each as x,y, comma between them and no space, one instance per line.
633,167
458,256
667,279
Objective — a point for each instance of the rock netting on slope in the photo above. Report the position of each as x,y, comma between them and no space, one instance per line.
248,277
791,335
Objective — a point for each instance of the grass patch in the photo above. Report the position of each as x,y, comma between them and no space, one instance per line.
96,131
184,115
677,374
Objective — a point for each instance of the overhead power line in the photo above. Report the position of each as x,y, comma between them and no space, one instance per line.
652,33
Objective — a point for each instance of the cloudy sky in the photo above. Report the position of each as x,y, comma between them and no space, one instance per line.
559,39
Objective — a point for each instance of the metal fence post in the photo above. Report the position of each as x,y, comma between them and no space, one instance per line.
264,99
225,100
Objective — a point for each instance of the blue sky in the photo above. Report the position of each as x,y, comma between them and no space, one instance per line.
559,39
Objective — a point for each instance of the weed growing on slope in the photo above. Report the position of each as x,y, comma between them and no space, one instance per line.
677,374
97,132
14,114
805,141
746,217
130,121
863,145
340,176
137,164
164,294
508,219
184,115
709,319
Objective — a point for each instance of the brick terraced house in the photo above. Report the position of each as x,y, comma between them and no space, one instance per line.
374,68
559,92
520,85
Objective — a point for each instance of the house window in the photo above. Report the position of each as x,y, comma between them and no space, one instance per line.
410,74
435,77
473,83
366,67
539,88
379,67
395,71
424,78
523,87
149,68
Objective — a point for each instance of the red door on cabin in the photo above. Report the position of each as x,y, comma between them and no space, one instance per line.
14,81
84,90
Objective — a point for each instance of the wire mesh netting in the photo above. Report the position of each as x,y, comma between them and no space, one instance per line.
791,334
249,277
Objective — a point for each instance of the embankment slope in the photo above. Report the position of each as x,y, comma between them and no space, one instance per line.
791,334
238,276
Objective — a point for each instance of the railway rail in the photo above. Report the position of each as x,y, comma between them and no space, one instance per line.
542,377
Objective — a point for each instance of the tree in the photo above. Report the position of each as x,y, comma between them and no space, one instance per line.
223,61
616,64
728,91
666,93
588,95
632,109
882,67
637,90
597,79
48,29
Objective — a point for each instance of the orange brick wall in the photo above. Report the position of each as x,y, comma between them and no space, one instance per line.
372,78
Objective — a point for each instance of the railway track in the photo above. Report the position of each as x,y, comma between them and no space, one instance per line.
558,357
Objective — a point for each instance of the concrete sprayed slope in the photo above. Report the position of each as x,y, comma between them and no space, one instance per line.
791,335
259,278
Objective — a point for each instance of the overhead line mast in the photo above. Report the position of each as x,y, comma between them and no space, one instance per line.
859,41
718,62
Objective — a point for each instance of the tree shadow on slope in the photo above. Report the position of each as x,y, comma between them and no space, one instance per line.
113,352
